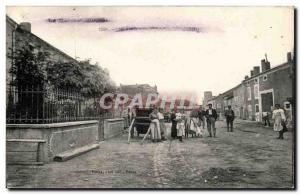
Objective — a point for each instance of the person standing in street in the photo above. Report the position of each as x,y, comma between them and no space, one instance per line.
125,115
201,116
155,131
211,117
265,116
180,118
162,124
229,114
132,119
279,121
174,124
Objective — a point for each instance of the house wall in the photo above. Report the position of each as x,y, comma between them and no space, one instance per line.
246,101
252,98
10,29
17,37
281,82
277,81
239,106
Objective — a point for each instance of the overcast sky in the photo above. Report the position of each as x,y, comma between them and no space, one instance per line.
190,49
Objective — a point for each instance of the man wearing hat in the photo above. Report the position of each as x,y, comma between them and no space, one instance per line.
229,114
211,117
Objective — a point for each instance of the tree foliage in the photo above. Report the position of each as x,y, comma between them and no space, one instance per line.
35,67
29,67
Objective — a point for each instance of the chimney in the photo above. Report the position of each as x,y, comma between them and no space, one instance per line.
251,73
26,26
289,57
265,65
246,77
256,70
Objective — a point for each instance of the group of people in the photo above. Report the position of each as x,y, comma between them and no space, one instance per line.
279,117
194,123
208,117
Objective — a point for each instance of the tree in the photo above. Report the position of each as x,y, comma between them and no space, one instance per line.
34,67
65,75
28,67
96,81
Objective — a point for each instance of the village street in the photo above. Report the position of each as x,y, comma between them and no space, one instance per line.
250,157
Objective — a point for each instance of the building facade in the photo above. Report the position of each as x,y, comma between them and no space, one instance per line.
19,36
269,87
260,91
132,90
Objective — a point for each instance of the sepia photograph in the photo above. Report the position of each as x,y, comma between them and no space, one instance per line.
150,97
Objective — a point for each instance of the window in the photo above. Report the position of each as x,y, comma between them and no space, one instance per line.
256,91
265,78
219,105
255,81
249,93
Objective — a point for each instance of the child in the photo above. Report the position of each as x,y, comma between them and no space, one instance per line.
180,125
187,126
196,128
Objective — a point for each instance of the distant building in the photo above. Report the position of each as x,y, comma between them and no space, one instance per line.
269,87
132,90
207,96
185,105
260,91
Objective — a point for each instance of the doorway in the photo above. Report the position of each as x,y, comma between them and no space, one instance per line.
267,102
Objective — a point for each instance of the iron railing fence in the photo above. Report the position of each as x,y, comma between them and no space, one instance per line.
34,105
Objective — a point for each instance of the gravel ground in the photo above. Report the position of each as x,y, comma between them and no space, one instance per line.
250,157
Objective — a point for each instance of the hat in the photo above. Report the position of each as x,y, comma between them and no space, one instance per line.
210,104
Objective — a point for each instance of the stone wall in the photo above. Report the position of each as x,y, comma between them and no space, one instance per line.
54,139
113,127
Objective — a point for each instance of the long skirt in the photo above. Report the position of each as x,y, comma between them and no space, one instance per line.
180,129
277,124
197,129
155,130
162,128
174,130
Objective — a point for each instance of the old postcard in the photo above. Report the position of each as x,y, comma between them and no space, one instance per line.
150,97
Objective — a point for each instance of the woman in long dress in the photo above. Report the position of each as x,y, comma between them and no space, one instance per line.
155,126
279,119
174,124
162,124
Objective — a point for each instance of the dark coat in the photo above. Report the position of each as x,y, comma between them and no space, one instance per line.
214,114
174,125
229,114
201,114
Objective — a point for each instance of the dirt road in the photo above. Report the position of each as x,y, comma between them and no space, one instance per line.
250,157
